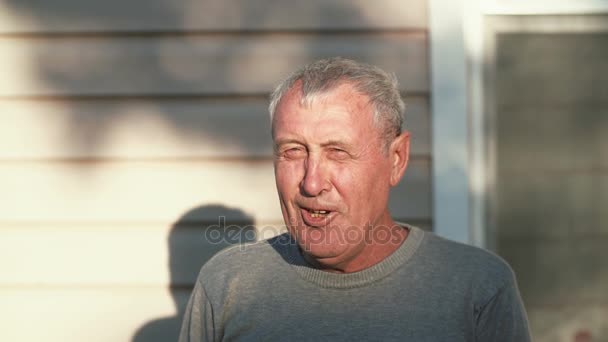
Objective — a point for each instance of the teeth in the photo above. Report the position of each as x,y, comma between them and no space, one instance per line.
318,213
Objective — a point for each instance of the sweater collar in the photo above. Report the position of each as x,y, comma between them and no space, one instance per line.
400,256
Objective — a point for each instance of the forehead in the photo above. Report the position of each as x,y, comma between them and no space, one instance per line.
342,105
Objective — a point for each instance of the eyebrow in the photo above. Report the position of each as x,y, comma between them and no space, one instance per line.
332,142
287,141
338,143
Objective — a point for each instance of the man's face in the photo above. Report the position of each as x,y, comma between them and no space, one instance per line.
333,175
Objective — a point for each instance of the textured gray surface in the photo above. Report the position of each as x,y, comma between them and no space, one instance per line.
552,184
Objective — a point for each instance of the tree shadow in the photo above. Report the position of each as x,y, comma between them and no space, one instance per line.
191,243
105,71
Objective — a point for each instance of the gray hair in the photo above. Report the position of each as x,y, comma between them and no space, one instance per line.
323,75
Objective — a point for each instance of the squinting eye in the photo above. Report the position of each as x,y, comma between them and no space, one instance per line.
296,152
338,153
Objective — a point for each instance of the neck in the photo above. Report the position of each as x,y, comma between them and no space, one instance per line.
369,255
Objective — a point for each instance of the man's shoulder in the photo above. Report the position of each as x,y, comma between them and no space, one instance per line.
464,254
243,260
478,266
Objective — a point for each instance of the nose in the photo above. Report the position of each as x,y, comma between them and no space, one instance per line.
316,179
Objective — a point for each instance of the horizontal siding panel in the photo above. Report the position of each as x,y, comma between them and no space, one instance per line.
90,314
209,15
154,128
198,64
113,255
160,191
142,128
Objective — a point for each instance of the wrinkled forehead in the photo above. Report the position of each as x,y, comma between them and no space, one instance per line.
340,94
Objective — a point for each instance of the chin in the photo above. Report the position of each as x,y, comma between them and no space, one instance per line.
322,251
318,243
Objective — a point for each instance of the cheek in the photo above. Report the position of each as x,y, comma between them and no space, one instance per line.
345,179
353,178
361,186
287,177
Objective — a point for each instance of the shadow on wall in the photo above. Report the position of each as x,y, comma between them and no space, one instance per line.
112,64
109,70
191,243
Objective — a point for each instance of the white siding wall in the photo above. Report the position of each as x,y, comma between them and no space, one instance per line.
127,128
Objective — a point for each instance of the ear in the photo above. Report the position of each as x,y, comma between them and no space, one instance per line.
399,153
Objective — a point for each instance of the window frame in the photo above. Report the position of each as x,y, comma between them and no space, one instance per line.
462,40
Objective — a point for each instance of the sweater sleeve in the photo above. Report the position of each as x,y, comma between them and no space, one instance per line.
198,325
503,317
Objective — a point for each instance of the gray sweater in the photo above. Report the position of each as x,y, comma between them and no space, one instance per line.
430,289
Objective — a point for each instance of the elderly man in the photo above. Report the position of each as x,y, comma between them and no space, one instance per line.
346,270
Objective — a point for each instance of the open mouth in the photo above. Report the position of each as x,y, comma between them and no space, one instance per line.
318,213
316,217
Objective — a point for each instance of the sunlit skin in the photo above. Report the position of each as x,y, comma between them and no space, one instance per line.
329,157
